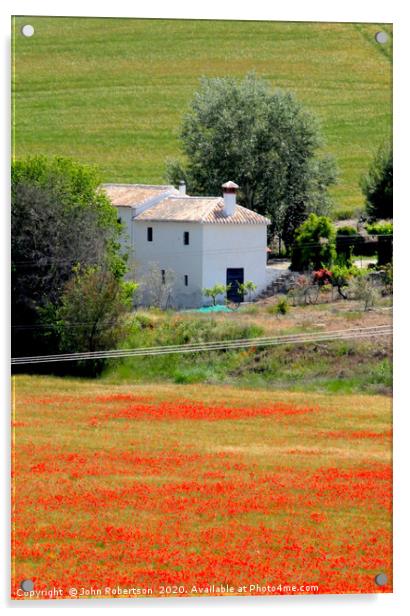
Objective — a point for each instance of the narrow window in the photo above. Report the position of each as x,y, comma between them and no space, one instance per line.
163,276
186,280
149,234
119,220
186,238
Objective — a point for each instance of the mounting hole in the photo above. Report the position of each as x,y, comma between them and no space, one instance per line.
381,37
381,579
27,585
27,30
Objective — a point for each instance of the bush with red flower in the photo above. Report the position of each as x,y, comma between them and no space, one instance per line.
322,277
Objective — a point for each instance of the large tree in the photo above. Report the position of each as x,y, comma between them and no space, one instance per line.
377,184
59,220
265,141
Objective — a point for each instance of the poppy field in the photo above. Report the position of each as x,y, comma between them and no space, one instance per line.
143,490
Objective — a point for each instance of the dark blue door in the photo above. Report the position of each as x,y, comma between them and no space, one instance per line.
234,277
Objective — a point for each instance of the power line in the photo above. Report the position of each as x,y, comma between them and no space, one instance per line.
357,333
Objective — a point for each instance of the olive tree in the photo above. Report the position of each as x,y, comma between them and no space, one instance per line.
215,291
247,288
264,140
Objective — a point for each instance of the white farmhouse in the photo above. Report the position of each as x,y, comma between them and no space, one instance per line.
202,240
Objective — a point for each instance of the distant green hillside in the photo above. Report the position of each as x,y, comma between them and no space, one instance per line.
112,91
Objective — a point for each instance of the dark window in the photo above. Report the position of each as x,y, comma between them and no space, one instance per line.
163,276
186,238
149,234
186,280
119,220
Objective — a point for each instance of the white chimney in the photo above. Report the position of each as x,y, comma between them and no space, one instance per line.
229,192
182,187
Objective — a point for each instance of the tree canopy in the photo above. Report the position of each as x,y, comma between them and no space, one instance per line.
265,141
377,184
60,220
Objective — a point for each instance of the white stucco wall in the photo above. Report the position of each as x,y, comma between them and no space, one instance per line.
212,249
167,249
234,246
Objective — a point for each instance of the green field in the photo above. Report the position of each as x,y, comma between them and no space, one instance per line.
113,91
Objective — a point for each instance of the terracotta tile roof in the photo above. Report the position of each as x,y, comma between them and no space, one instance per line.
135,194
179,209
199,209
165,203
242,215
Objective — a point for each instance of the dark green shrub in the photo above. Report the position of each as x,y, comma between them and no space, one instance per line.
315,244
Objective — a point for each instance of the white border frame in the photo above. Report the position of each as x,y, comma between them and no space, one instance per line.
315,10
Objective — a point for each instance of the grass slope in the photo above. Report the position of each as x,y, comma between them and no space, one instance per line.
339,366
112,91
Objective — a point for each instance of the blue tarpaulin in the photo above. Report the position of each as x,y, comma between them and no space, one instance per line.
218,308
